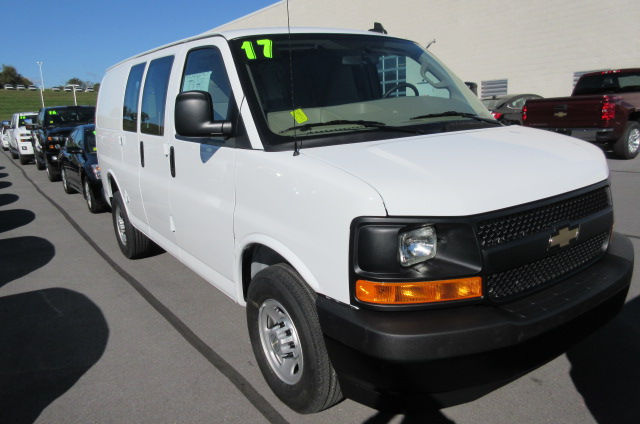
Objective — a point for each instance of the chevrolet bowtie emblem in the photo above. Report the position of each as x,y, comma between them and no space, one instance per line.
560,114
563,237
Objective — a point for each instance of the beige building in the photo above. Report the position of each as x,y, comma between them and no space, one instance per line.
534,46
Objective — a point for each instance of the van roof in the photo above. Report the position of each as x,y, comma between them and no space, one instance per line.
239,33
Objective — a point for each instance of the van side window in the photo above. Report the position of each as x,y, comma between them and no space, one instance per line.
155,95
204,70
131,96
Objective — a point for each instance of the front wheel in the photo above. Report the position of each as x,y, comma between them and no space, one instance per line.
39,165
52,174
628,144
65,182
132,242
287,340
94,203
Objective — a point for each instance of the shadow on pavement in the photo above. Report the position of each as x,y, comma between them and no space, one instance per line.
4,184
3,174
7,199
15,218
605,370
21,255
49,339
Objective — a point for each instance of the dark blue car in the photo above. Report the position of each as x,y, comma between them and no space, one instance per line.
79,167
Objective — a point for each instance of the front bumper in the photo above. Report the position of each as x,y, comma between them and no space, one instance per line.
411,339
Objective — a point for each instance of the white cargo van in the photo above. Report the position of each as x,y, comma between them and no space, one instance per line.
20,144
383,231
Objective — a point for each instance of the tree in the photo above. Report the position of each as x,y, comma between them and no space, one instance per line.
75,81
10,75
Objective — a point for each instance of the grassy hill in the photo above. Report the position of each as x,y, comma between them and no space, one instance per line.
12,101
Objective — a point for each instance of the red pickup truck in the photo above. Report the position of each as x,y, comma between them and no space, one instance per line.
603,108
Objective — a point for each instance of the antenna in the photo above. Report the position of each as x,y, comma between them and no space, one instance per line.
296,146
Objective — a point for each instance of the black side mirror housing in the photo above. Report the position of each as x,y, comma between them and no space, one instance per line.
193,112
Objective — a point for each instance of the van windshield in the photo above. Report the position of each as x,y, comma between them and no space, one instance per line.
348,83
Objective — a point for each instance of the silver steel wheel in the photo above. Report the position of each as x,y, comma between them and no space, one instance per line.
280,342
122,228
87,194
633,141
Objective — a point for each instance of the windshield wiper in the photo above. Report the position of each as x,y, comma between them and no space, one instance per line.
368,124
462,114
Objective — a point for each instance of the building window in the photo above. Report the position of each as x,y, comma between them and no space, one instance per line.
493,88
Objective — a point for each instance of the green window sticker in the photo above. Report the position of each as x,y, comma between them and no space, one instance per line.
52,112
95,149
299,116
247,46
267,47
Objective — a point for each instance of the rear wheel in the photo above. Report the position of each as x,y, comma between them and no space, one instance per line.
39,165
628,144
13,154
132,242
94,203
52,174
23,160
65,183
287,340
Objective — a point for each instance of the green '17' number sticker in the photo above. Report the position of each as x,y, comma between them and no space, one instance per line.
267,48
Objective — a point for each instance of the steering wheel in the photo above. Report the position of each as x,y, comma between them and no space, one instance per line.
399,86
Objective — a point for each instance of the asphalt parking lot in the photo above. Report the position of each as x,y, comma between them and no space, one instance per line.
88,336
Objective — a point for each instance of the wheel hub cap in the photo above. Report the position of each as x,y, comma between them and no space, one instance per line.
280,342
121,228
634,140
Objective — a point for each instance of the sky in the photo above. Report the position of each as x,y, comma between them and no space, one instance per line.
83,38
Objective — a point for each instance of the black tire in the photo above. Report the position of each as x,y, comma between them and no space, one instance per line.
626,147
134,244
23,160
317,387
65,183
13,154
39,165
94,203
52,174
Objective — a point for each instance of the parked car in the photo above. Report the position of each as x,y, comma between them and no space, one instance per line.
88,90
4,134
604,108
392,237
55,88
508,109
20,87
68,88
32,88
20,144
51,132
79,167
9,87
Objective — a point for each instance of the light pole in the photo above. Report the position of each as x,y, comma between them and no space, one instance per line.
39,62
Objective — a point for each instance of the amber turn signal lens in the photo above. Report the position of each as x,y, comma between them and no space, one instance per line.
421,292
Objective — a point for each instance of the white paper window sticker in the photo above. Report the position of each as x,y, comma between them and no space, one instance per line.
199,81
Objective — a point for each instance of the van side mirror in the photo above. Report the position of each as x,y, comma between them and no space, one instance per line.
193,113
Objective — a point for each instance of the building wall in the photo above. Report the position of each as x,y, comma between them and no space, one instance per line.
536,45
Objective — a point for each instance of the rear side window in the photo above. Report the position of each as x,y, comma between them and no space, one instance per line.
204,70
155,95
131,95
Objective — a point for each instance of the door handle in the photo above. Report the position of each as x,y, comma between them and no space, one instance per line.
172,161
142,154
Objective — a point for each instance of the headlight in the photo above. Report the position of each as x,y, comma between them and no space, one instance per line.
96,171
417,245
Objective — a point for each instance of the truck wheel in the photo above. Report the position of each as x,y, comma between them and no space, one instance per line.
132,242
287,340
65,183
23,160
13,154
628,144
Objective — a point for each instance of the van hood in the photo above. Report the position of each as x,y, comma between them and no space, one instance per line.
468,172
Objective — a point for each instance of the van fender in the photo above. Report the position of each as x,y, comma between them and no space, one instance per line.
278,247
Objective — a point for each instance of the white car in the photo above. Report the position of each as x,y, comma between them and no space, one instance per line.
88,90
55,88
20,87
9,87
20,140
382,230
32,88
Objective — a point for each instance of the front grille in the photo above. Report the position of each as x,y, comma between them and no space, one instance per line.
497,231
516,281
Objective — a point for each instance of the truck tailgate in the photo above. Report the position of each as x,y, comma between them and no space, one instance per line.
565,112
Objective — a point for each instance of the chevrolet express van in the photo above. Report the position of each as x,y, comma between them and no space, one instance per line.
384,232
